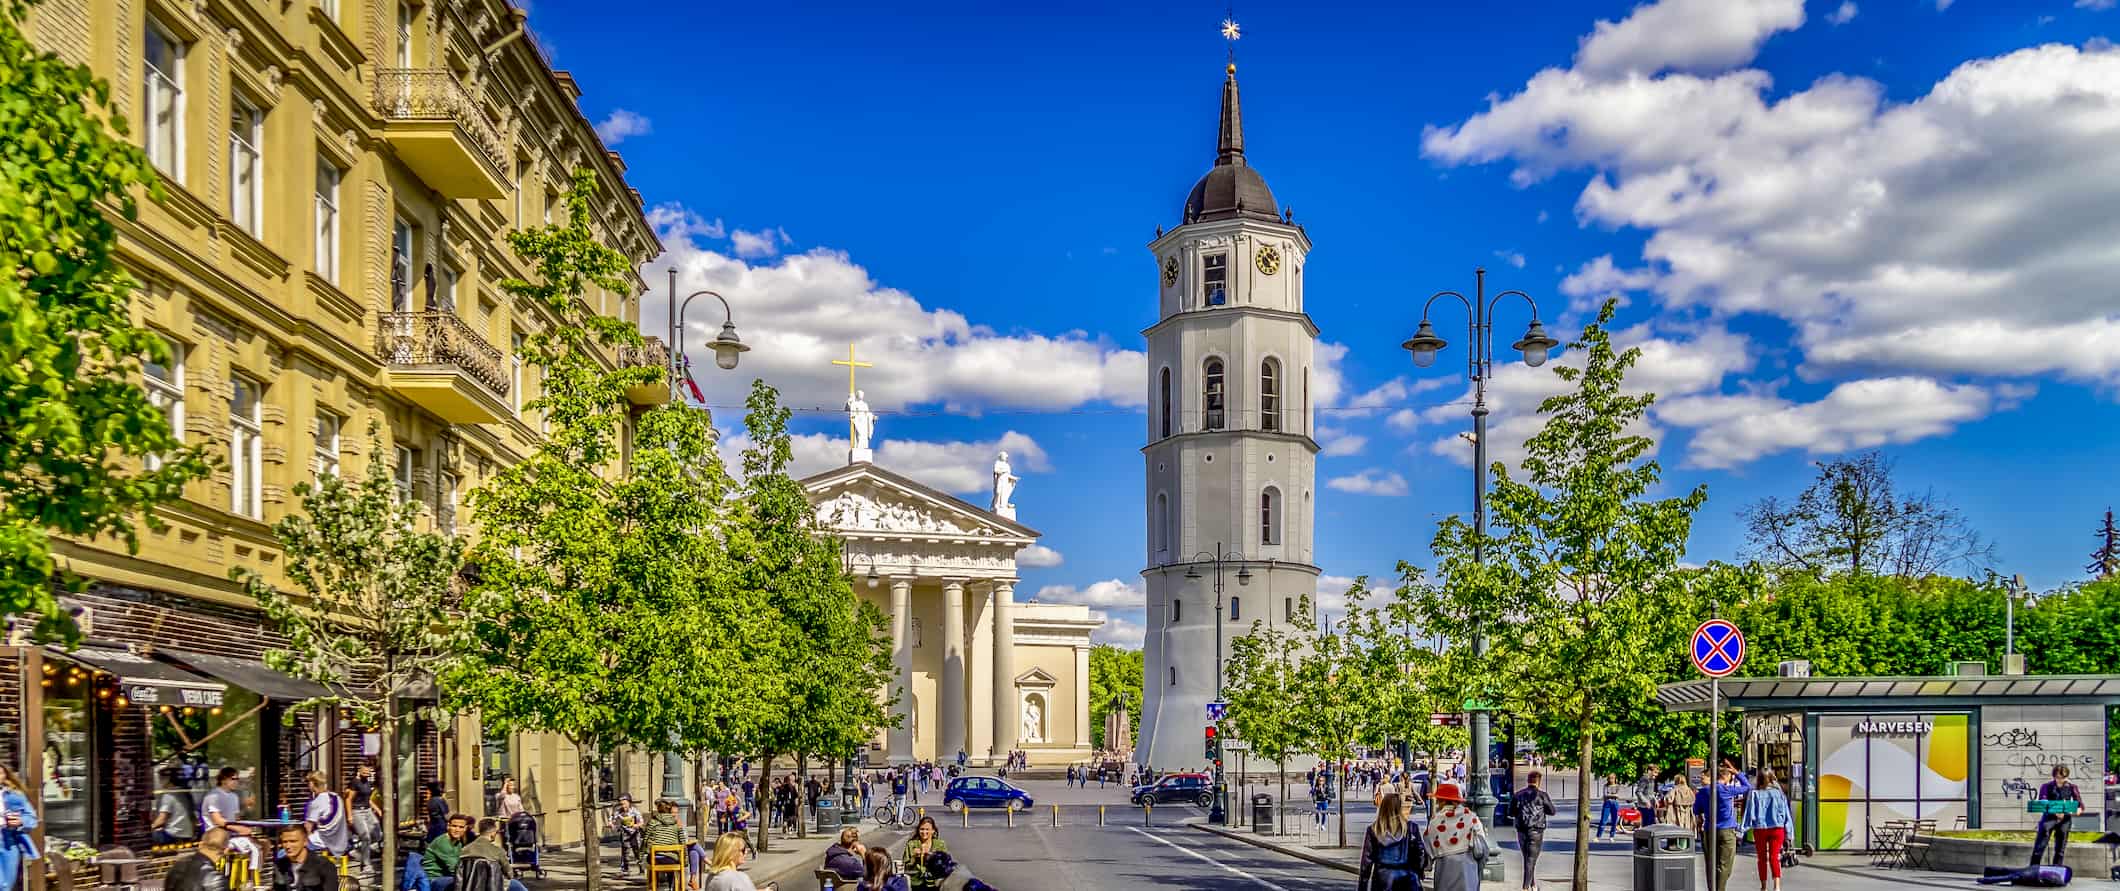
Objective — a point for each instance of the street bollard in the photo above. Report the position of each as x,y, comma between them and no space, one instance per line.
1147,812
922,816
1056,816
1011,809
1100,815
967,812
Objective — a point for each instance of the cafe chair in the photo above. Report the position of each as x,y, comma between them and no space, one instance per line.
236,868
675,868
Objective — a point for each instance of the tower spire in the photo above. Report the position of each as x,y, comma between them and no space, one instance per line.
1229,147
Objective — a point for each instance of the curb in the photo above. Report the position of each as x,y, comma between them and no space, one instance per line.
1285,850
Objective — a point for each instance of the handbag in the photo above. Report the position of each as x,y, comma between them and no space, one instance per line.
1480,849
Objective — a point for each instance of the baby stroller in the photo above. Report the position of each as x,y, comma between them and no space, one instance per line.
522,843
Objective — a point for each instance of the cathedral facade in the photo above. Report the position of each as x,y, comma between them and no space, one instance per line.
1230,459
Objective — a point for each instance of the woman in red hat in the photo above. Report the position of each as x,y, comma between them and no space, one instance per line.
1457,840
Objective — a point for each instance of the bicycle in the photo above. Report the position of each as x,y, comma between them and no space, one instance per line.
888,815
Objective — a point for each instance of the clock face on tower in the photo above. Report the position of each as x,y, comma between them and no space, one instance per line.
1170,271
1268,260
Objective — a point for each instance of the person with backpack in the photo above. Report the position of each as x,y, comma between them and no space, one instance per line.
1533,810
1393,855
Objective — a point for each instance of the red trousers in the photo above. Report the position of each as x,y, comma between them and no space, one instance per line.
1767,843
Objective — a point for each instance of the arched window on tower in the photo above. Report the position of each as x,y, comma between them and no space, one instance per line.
1236,608
1270,516
1177,610
1164,400
1214,285
1160,535
1270,396
1211,395
1174,675
1306,401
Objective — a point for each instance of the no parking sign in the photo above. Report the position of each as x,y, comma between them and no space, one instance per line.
1718,648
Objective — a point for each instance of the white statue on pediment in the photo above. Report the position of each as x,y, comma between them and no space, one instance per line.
1004,487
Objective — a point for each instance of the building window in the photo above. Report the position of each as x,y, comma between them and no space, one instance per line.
1270,396
1174,675
246,134
445,291
1211,392
522,182
70,778
404,35
1288,609
165,390
551,201
402,476
1214,285
401,266
1270,516
330,9
1160,535
445,504
1163,399
327,221
246,448
1306,401
326,460
515,374
1236,608
1177,610
163,92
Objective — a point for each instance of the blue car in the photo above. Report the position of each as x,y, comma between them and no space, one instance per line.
984,792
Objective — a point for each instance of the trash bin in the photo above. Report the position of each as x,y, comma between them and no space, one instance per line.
827,813
1262,814
1663,858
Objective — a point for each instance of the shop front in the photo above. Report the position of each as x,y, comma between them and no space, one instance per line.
1962,752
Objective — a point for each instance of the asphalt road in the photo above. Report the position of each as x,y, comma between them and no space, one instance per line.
1036,856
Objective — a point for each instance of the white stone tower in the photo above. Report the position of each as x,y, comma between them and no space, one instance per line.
1230,458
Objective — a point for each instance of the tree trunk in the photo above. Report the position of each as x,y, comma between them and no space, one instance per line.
802,797
764,796
1581,880
387,780
592,855
1339,792
1280,822
699,814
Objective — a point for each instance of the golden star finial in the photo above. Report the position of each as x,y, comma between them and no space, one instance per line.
1230,30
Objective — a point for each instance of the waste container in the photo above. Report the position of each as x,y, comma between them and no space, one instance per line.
1262,814
1663,858
827,813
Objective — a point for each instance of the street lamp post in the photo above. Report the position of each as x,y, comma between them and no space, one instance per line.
1218,811
1535,345
727,347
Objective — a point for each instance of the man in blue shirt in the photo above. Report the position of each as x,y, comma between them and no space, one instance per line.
1728,791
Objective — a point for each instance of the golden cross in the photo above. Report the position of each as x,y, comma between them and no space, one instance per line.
851,364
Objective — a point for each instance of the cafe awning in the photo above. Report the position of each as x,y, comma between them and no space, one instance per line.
147,681
248,674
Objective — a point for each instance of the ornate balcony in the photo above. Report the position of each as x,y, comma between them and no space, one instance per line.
441,365
653,354
437,129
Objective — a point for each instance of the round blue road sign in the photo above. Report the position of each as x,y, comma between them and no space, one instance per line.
1718,648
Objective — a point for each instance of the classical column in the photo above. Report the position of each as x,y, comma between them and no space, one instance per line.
1008,716
900,742
1082,696
949,712
979,711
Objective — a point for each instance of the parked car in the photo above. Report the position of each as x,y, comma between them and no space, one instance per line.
1181,788
984,792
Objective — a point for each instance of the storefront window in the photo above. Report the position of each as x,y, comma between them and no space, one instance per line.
191,745
69,790
1878,768
408,769
499,754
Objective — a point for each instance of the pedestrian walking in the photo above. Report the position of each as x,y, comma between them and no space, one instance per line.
1608,818
1533,810
1678,803
1322,798
926,840
1457,841
1715,806
364,816
508,802
2053,826
1767,816
1393,855
17,846
1646,796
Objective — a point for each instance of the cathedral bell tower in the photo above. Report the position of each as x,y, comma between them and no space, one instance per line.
1230,459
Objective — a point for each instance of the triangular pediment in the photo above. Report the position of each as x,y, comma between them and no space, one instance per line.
1036,677
866,499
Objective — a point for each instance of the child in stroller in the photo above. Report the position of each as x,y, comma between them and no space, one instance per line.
523,843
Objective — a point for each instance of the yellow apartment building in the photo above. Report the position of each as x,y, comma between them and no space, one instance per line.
341,175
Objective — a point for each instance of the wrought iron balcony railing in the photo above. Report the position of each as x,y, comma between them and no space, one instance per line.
438,337
436,94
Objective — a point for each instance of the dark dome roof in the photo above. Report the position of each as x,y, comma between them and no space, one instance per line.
1231,189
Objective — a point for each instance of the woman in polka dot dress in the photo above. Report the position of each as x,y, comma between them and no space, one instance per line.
1454,837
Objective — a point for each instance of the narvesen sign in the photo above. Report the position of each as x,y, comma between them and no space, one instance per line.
1894,728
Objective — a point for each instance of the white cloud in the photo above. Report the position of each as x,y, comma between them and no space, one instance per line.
1686,35
1334,442
799,311
1118,631
952,466
1370,482
762,243
1513,258
2096,5
1038,556
1107,594
1860,414
1403,420
1843,15
1326,379
621,126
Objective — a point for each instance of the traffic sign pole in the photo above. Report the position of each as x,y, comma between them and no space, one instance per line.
1718,649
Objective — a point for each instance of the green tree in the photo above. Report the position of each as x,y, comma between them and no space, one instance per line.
1852,519
598,578
375,610
78,426
1338,686
2105,560
829,651
1114,684
1580,559
1259,685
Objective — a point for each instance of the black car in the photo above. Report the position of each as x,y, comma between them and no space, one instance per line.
1180,788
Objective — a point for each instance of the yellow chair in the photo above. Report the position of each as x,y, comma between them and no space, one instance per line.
342,861
675,869
236,867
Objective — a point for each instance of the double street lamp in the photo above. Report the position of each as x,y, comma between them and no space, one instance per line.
1218,812
1535,345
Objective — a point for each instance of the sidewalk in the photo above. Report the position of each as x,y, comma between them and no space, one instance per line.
1611,862
790,862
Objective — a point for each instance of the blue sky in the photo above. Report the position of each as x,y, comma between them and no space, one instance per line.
1833,225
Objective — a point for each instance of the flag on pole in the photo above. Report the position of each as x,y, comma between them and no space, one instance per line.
691,384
